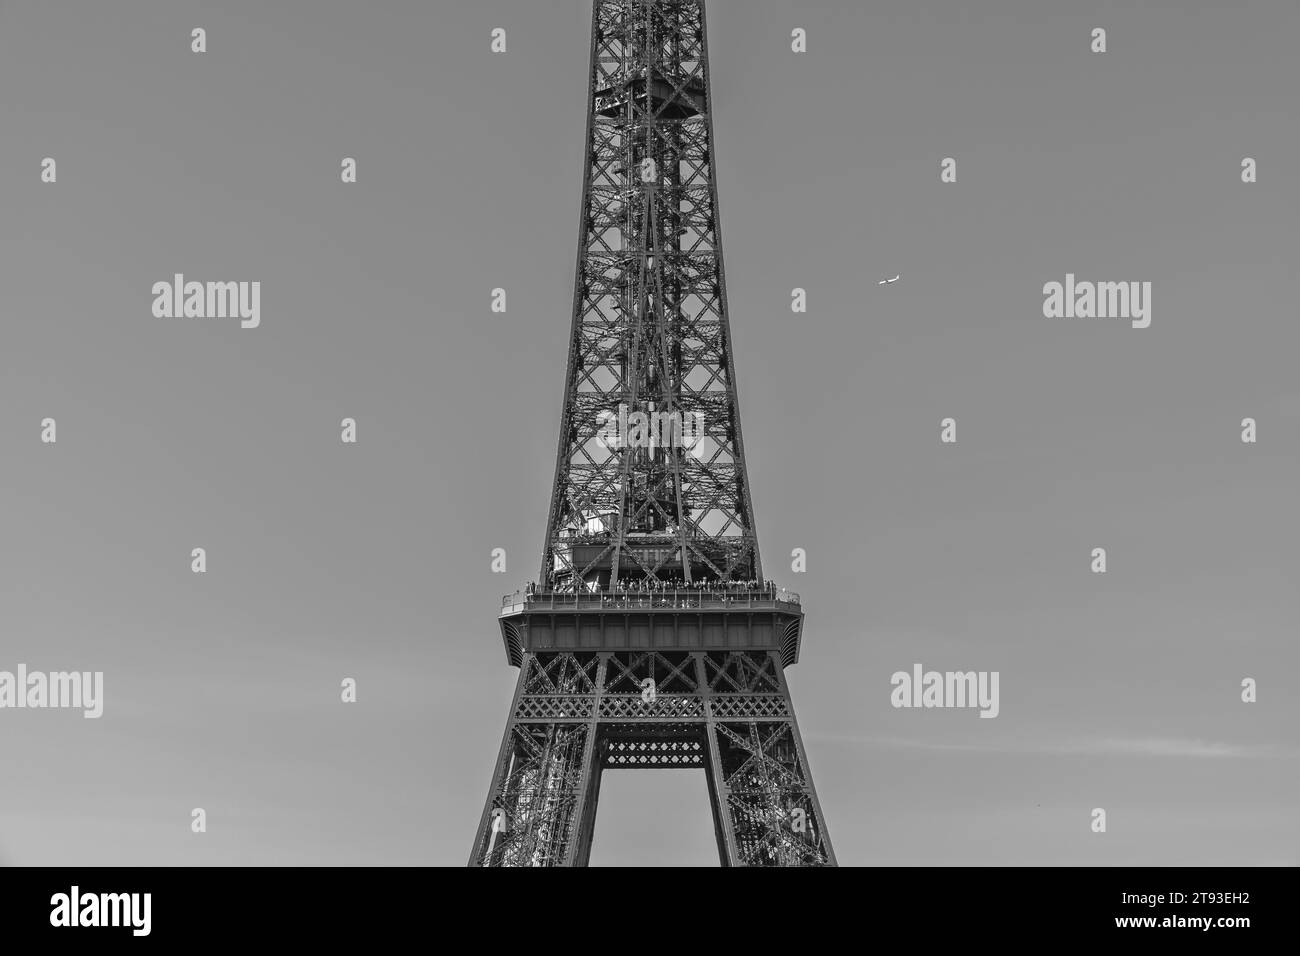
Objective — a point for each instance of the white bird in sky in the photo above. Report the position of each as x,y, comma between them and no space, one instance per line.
887,281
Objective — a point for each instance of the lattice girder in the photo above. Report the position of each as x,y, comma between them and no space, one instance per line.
650,329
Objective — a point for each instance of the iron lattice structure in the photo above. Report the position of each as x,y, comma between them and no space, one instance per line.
650,329
651,640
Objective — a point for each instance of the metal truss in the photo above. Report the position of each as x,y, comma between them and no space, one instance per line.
650,330
576,714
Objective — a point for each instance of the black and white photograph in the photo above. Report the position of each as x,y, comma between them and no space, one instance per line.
375,501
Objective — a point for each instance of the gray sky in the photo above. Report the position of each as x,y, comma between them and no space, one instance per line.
372,561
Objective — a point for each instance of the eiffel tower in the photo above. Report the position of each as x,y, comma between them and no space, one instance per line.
650,638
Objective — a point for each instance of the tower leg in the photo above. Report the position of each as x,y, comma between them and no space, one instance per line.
765,809
534,815
579,851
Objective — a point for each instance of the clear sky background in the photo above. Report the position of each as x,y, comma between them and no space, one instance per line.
372,561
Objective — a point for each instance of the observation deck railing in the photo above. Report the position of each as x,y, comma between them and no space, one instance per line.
667,599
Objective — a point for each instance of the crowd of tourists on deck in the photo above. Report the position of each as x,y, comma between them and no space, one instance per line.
642,587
